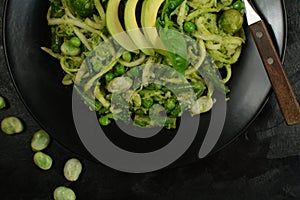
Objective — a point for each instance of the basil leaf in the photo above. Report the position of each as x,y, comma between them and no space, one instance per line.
175,44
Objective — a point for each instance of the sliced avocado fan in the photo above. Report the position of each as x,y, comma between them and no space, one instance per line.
148,19
134,39
115,28
133,30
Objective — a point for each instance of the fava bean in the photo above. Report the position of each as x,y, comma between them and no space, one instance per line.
11,125
42,160
72,169
2,103
40,140
63,193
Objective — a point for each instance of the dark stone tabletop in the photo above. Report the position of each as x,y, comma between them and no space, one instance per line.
261,164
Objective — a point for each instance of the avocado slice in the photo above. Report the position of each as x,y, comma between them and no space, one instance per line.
132,28
115,28
148,19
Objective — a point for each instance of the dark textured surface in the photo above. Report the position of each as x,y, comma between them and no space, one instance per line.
262,164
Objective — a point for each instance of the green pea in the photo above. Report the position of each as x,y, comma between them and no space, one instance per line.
2,103
189,27
109,76
147,103
63,193
120,69
238,5
11,125
104,121
75,41
68,49
126,56
42,160
72,169
40,140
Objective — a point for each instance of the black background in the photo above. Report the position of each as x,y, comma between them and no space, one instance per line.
263,163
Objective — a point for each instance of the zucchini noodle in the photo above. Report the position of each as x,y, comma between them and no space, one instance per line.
78,27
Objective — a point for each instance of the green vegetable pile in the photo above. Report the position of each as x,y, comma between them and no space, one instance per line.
79,26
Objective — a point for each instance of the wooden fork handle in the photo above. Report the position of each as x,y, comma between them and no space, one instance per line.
282,88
